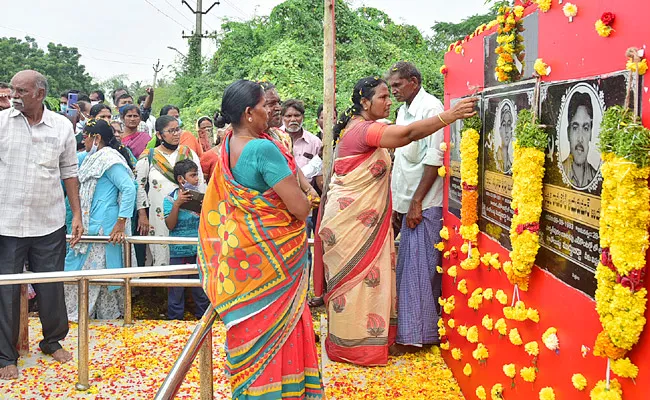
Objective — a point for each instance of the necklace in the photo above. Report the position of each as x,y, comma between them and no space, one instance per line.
246,136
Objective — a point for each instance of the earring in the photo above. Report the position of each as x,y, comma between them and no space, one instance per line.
365,108
250,119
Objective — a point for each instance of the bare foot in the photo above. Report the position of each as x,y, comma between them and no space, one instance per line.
62,356
9,372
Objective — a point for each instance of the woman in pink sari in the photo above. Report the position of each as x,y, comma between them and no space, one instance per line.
134,140
356,235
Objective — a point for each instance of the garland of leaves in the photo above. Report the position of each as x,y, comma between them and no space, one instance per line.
527,175
469,179
510,43
625,212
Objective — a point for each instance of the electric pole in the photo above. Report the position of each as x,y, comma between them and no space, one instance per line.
156,68
198,34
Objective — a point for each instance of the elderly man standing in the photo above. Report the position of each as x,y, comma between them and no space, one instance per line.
38,151
417,194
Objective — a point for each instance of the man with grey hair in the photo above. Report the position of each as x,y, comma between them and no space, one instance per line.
417,210
38,151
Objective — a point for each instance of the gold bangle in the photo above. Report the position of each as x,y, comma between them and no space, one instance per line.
442,120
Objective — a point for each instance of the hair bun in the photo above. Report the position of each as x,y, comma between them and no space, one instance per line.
221,120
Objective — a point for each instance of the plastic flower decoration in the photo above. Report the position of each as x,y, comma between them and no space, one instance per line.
570,10
547,393
579,381
541,67
456,354
528,374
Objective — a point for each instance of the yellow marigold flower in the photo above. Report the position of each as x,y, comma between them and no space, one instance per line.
442,171
472,334
480,393
474,302
519,11
550,339
442,331
458,49
501,297
624,368
449,308
532,348
462,286
501,326
467,370
602,29
528,374
480,353
533,315
444,233
544,5
497,392
439,269
462,330
456,354
547,393
443,146
488,294
440,246
541,67
510,370
570,10
642,66
601,392
487,322
579,381
492,24
451,323
444,346
441,322
464,248
515,337
452,271
446,254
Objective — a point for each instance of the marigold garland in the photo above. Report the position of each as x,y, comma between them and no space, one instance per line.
469,179
510,43
602,392
544,5
624,217
527,198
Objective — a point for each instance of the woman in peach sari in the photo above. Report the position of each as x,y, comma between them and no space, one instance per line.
356,235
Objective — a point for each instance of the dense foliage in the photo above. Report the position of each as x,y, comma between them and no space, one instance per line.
59,64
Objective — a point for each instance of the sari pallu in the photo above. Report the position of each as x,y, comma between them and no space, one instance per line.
136,142
252,261
358,260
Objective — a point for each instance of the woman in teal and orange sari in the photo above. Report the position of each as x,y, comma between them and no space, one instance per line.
253,257
355,249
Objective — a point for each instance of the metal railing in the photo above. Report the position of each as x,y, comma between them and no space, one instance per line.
199,342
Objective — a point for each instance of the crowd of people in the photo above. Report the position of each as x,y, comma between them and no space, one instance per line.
251,191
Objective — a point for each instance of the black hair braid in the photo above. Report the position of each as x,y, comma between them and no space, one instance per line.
364,89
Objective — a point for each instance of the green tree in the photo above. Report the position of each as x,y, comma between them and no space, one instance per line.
60,64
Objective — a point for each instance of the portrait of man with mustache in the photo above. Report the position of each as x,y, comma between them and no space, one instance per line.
579,132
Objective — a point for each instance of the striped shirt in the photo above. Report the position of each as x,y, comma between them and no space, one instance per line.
33,161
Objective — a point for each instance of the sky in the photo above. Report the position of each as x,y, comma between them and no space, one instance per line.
130,36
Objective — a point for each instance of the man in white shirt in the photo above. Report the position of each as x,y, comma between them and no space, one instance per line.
417,207
38,151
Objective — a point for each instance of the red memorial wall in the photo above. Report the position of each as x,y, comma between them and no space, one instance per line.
563,297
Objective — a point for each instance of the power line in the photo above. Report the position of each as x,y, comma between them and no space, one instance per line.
239,10
72,44
163,13
179,12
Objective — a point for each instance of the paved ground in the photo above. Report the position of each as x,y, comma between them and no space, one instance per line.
131,363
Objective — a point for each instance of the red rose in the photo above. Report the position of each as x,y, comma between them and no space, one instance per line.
608,18
444,70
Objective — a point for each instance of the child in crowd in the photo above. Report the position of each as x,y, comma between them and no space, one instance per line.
183,223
